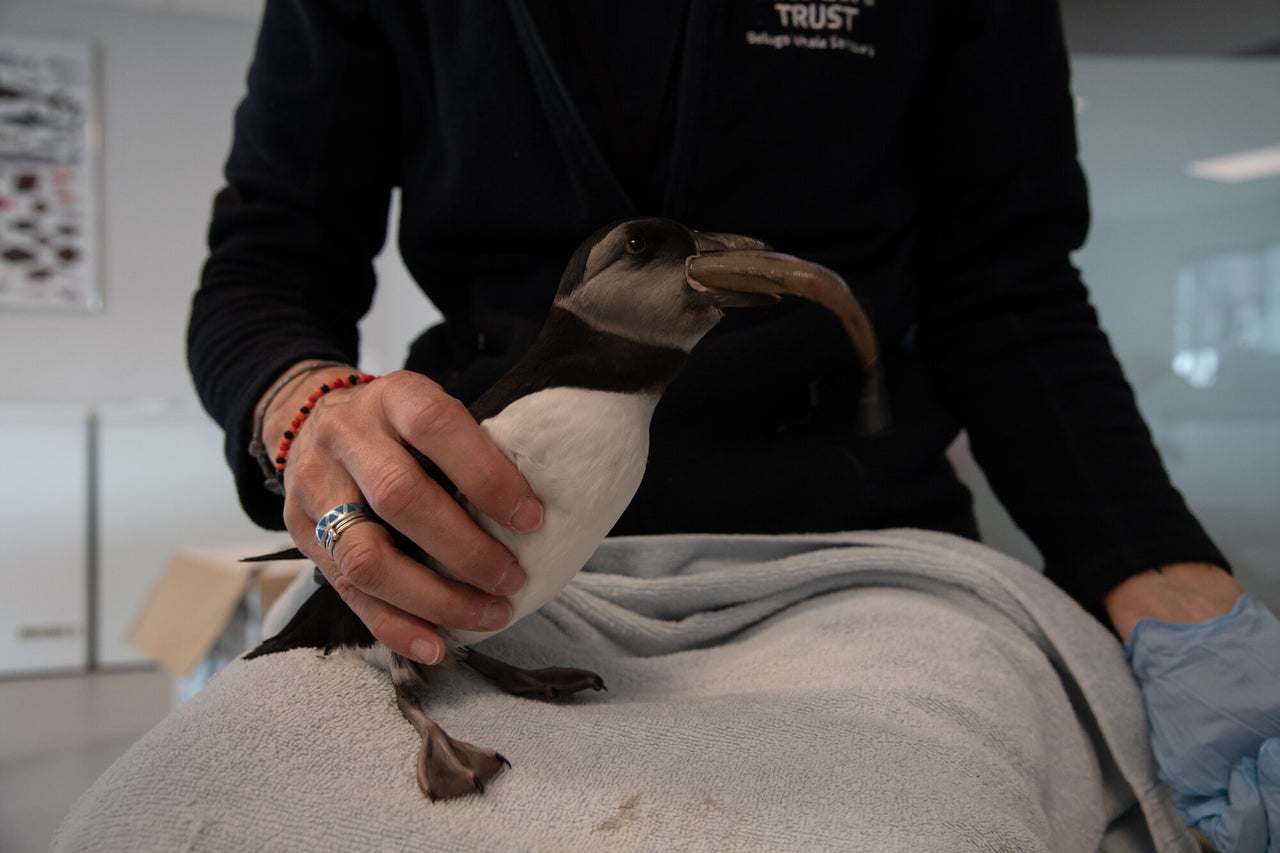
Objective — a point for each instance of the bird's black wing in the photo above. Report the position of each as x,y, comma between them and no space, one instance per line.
323,622
286,554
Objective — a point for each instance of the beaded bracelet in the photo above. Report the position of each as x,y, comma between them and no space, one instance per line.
258,444
349,381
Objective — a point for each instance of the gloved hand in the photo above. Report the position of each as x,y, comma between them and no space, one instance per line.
1212,692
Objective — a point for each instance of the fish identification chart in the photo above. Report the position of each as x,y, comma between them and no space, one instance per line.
48,180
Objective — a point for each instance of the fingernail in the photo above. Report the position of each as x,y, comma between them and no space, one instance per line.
527,516
495,616
425,651
512,579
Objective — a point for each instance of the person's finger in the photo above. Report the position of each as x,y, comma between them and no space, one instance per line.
401,632
1238,821
1269,786
442,429
403,495
365,557
351,451
416,411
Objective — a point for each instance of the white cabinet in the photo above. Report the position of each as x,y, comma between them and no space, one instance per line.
44,546
91,508
163,485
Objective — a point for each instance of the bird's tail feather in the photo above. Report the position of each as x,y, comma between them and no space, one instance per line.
323,622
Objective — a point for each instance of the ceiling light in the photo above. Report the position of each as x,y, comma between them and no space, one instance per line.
1237,168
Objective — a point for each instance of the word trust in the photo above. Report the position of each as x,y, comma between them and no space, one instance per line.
816,16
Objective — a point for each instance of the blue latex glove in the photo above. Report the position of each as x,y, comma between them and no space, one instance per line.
1213,698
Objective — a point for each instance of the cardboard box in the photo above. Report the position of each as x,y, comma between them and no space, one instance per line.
204,600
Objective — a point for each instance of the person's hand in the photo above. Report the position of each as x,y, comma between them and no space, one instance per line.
1212,692
354,447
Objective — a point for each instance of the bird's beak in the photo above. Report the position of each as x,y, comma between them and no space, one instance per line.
725,295
741,271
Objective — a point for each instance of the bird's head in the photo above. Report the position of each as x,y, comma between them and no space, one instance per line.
629,279
657,282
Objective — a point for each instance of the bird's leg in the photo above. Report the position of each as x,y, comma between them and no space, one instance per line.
446,767
552,682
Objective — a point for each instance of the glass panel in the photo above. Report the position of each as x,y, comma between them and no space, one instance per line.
1184,264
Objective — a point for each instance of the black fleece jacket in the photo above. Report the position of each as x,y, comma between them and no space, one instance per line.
925,150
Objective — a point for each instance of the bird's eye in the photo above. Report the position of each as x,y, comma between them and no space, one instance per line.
635,245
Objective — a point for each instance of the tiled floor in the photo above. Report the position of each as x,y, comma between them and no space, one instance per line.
57,734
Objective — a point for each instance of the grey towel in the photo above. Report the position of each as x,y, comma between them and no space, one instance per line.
874,691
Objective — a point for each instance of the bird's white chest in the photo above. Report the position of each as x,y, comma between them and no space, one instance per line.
584,454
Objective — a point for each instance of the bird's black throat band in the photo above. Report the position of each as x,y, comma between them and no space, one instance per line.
571,354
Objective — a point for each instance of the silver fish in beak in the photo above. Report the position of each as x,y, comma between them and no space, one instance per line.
742,271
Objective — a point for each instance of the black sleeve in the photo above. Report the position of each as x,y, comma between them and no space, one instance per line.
1006,322
304,212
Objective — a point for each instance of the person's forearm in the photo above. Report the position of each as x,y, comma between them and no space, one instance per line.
1179,593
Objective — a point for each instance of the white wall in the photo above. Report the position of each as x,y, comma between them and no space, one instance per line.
169,82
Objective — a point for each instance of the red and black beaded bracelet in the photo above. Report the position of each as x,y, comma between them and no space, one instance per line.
349,381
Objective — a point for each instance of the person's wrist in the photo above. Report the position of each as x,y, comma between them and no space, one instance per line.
321,392
276,411
1180,593
277,406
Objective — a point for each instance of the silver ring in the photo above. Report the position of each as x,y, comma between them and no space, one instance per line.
338,519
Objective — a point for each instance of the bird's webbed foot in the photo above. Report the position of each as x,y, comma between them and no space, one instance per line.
446,767
552,682
452,768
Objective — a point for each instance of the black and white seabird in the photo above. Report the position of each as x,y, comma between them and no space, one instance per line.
573,415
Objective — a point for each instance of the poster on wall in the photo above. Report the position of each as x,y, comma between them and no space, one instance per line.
48,175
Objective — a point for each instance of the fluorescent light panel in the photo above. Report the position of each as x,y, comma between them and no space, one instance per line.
1237,168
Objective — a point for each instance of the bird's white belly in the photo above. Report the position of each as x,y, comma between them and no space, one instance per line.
584,454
